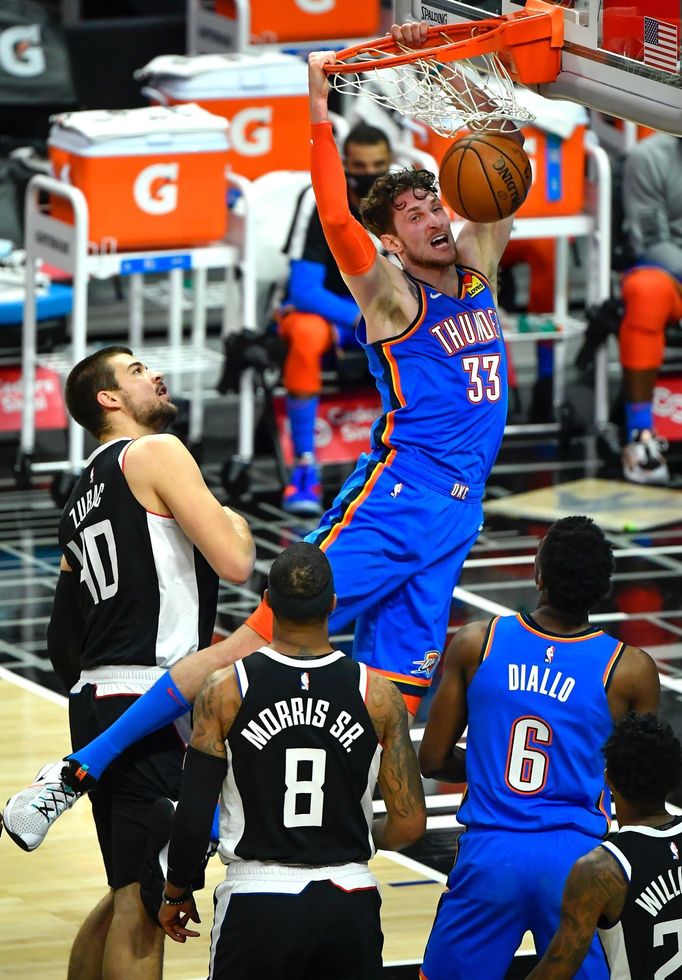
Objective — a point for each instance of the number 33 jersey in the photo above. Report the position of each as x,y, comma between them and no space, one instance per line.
147,596
538,718
303,759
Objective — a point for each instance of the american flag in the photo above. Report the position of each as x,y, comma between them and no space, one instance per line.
661,45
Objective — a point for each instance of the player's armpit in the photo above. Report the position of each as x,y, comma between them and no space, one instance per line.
594,887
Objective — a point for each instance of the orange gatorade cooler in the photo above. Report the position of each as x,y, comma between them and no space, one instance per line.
152,177
303,20
264,96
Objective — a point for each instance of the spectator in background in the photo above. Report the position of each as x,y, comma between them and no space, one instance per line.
319,314
652,202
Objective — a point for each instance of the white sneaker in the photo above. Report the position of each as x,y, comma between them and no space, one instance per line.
643,459
29,814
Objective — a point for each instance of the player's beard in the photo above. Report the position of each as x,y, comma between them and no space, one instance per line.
436,262
156,416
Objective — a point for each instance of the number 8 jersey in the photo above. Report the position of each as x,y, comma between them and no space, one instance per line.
147,596
303,759
538,717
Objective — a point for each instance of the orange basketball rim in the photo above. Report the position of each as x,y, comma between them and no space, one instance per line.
529,42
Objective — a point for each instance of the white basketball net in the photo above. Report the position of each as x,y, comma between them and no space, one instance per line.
476,93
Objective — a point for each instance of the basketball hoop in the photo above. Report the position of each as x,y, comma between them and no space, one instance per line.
464,73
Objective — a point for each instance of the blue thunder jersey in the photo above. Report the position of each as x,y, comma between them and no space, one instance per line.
443,385
538,718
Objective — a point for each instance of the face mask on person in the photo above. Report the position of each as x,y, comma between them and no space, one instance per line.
362,184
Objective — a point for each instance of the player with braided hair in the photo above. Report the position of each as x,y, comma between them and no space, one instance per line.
540,693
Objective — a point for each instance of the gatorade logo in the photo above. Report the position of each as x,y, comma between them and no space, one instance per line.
156,190
20,51
251,131
315,6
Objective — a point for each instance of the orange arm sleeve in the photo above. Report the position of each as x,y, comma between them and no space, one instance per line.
260,620
350,244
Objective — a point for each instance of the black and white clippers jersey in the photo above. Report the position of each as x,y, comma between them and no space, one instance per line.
147,596
303,758
646,944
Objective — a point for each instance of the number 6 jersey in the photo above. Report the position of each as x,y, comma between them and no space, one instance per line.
147,596
538,718
303,759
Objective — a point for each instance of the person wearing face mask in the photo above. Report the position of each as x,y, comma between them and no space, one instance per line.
319,313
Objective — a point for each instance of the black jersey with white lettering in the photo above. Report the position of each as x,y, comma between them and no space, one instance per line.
303,758
647,941
147,596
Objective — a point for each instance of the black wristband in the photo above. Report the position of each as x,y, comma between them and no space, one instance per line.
180,900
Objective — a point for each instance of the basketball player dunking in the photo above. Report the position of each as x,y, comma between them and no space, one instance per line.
294,738
400,528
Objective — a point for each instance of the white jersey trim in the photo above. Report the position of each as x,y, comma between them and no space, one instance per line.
100,449
310,664
613,941
127,679
619,856
178,624
363,681
655,831
242,677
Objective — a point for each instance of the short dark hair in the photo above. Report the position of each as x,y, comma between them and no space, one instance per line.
643,759
377,210
362,134
301,584
94,373
576,562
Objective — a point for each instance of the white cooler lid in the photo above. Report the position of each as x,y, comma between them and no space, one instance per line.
148,126
232,75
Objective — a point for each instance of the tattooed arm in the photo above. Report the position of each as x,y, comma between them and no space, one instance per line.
596,886
205,767
399,779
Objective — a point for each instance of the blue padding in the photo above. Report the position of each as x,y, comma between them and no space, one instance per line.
57,301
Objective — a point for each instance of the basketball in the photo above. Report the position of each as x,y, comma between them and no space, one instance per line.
485,176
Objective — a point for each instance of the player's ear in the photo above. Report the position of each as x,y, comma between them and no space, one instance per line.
391,244
107,399
266,597
333,604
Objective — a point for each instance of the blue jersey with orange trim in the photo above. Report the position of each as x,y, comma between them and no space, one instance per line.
443,384
538,718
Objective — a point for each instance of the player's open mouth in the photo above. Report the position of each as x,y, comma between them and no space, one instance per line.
439,240
162,390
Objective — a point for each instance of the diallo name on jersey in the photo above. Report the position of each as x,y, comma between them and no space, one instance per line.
296,711
550,682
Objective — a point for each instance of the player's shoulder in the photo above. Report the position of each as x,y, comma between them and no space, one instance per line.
384,700
469,638
161,448
635,662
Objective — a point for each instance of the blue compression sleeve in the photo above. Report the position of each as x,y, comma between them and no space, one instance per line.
301,413
308,294
638,416
159,706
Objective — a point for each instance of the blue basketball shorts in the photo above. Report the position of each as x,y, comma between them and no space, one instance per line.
503,884
396,544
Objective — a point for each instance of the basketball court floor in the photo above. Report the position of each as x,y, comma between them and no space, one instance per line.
44,895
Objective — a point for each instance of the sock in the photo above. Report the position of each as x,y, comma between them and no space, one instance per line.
301,413
545,356
159,706
638,416
215,826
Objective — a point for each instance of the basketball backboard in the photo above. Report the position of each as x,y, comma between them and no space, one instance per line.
619,56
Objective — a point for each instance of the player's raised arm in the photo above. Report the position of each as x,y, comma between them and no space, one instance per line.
369,276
